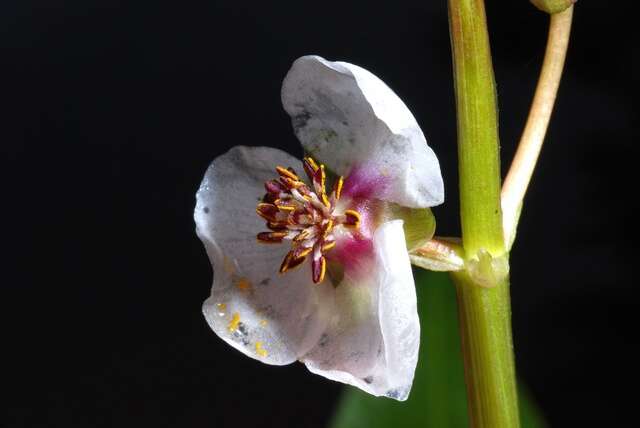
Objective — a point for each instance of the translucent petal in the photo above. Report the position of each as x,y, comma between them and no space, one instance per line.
351,121
266,315
373,339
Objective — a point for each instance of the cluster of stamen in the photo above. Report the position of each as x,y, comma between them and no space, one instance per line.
304,216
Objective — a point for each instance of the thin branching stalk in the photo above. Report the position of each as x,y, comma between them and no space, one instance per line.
524,162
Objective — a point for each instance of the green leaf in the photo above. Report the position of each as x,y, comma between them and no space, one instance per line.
438,398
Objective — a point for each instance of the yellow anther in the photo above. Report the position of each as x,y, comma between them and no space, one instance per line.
277,226
327,228
295,262
267,211
293,184
352,218
285,263
283,206
304,253
284,172
312,163
271,237
323,178
325,200
235,321
328,246
302,235
337,187
323,269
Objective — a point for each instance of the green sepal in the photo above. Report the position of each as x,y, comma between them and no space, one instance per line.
419,223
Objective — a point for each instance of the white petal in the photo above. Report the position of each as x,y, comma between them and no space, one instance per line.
348,118
373,340
267,316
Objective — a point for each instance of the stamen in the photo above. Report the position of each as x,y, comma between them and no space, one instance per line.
327,229
267,211
300,217
352,218
305,234
319,268
274,187
303,252
319,180
272,237
310,167
305,215
284,205
276,225
291,262
337,188
326,201
328,246
286,172
291,183
295,262
285,263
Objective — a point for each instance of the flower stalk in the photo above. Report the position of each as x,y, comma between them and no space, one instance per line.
524,162
483,286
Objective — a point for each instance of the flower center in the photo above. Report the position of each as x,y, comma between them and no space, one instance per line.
307,217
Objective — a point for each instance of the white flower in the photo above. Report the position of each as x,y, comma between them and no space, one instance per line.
348,310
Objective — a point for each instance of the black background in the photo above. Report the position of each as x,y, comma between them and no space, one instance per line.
110,114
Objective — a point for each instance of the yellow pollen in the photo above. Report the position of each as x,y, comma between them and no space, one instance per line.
263,323
260,350
243,284
233,324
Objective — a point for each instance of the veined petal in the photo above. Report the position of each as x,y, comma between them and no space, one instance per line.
372,342
348,119
271,317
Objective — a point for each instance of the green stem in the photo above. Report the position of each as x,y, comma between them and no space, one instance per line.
483,286
485,330
479,161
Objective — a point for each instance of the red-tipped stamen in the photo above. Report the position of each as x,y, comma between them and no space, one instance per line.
304,216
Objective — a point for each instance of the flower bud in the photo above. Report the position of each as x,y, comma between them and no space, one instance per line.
553,6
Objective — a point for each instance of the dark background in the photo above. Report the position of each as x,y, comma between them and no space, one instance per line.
110,114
